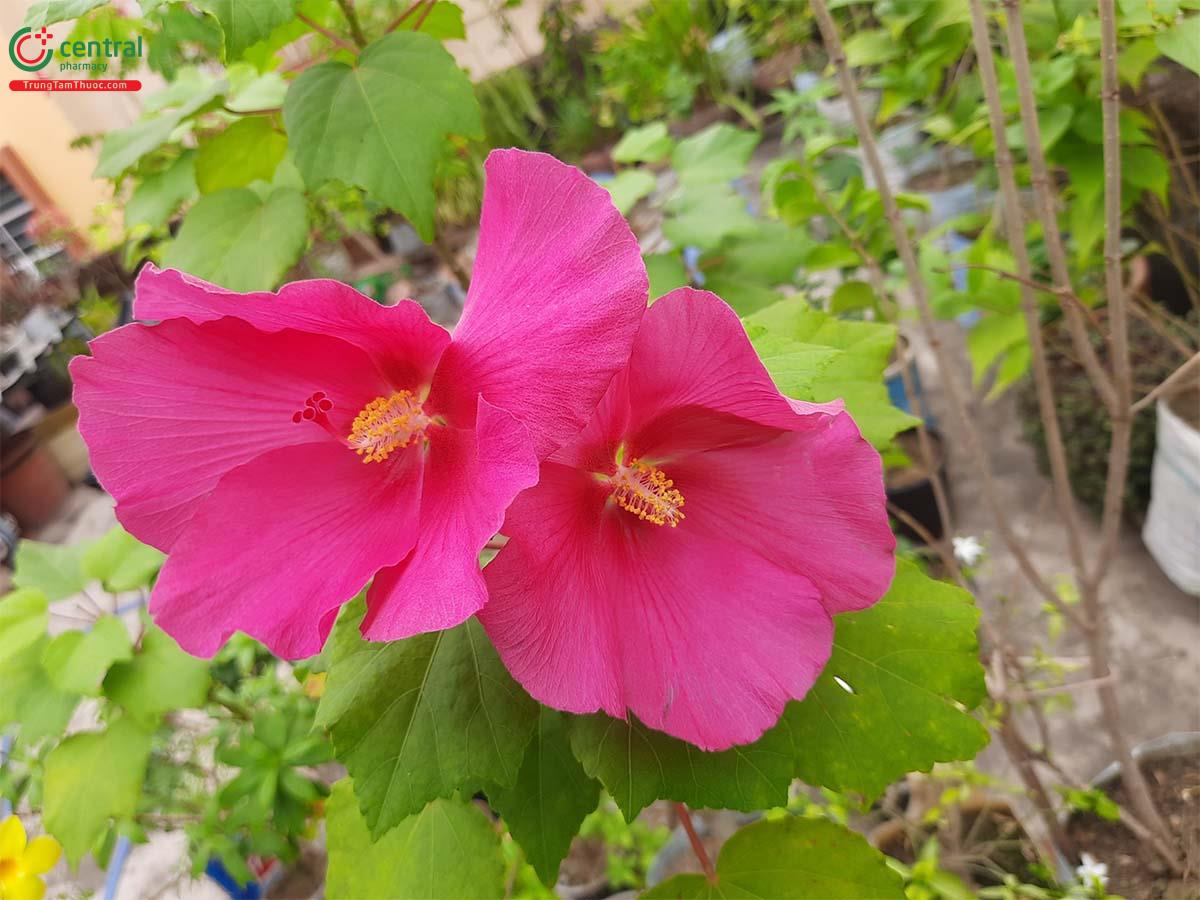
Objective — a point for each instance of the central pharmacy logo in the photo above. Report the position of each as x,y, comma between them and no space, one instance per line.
30,50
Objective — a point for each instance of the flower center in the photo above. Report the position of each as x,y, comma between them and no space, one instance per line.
648,493
386,424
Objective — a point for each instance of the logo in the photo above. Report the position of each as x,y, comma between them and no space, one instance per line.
30,50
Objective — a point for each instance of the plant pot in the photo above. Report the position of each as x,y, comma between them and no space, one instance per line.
893,376
910,488
59,434
1172,764
583,875
1172,530
32,486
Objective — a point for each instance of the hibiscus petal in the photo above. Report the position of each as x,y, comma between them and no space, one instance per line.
470,479
166,410
810,500
592,609
282,542
556,297
401,339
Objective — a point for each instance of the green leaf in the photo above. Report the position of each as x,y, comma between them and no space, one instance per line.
550,799
248,150
743,293
444,22
246,22
23,620
791,859
29,699
123,148
1182,43
241,240
158,679
771,255
794,366
421,718
1135,58
649,143
447,851
870,47
638,765
994,335
706,215
910,673
628,187
47,12
77,661
666,272
53,569
92,778
258,92
155,200
717,154
855,375
381,125
121,562
852,296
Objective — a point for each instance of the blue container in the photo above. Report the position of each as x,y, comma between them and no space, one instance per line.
893,377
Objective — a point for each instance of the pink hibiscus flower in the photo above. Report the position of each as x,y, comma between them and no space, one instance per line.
284,449
682,556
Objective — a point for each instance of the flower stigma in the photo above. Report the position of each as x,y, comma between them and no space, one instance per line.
647,492
386,424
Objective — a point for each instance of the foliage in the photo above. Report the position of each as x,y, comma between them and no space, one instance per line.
791,858
242,787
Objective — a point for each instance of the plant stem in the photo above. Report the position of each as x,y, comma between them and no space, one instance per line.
332,36
347,7
1045,198
970,433
685,819
1167,384
1014,222
424,15
399,20
1122,424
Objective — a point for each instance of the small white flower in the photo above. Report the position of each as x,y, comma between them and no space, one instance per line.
967,550
1091,872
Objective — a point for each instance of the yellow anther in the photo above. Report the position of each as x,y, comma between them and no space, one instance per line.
648,493
386,424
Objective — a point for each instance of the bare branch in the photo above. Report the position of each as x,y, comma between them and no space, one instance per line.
332,36
1167,384
975,448
1046,198
1014,222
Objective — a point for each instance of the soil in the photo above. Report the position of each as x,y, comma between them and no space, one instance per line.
1134,870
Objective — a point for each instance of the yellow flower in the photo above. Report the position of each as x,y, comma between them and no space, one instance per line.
21,863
